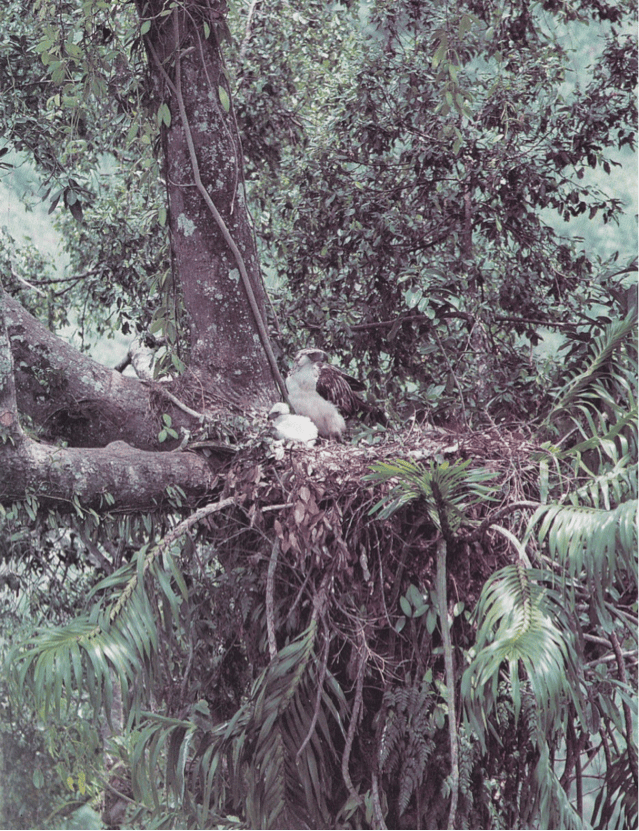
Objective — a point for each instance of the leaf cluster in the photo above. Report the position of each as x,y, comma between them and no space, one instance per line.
76,103
419,208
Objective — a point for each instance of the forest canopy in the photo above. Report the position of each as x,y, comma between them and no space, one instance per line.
431,624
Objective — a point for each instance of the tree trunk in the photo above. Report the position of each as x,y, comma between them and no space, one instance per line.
212,241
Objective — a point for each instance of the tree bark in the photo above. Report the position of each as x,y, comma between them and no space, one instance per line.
204,168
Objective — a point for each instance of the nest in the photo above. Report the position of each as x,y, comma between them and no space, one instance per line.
318,507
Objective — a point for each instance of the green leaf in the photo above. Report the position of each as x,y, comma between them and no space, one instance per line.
164,114
440,52
465,25
224,98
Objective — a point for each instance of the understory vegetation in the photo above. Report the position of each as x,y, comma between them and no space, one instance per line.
433,624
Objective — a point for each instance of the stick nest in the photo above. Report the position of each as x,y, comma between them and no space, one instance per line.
315,503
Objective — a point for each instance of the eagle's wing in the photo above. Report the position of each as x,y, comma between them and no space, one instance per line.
339,388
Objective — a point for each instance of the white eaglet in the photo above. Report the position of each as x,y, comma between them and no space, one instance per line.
291,427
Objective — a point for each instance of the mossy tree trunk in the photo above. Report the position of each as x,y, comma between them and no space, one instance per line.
213,246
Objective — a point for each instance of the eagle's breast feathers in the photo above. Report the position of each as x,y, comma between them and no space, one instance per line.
323,392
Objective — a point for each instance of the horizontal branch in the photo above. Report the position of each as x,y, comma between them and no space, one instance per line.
113,478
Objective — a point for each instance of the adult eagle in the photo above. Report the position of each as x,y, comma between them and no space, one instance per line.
323,392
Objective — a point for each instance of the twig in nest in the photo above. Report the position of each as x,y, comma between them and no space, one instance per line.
179,404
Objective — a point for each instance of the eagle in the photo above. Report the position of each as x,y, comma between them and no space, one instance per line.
323,392
292,427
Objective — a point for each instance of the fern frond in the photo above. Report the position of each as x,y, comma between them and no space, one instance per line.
406,742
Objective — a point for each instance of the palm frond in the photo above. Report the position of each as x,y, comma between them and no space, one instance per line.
597,430
610,486
253,762
59,664
460,488
520,624
618,795
116,642
603,350
286,703
594,543
554,808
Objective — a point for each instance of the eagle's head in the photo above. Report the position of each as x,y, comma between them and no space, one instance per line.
309,356
278,410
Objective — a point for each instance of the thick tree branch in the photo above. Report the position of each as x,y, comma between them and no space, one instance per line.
114,478
75,398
